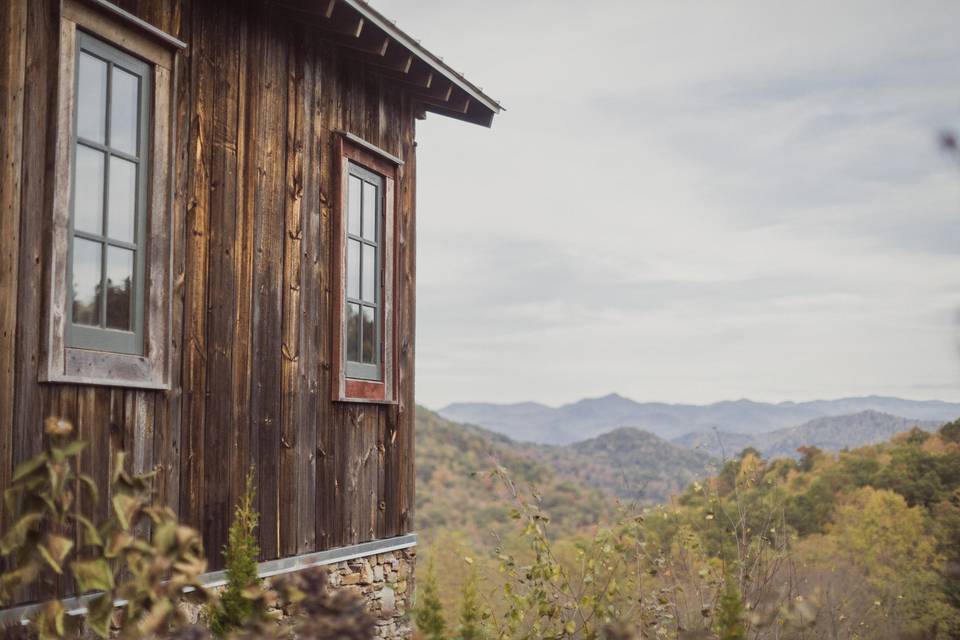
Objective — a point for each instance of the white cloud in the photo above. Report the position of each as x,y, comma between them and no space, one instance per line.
690,201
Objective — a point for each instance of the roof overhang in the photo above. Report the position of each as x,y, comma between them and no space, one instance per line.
366,33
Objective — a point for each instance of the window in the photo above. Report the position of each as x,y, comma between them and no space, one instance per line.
364,297
105,309
109,249
365,259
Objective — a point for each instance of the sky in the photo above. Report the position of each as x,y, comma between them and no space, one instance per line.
690,201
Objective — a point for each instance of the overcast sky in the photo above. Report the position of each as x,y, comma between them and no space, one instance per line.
690,201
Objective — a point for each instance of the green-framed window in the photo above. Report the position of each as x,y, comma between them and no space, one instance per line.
363,298
108,203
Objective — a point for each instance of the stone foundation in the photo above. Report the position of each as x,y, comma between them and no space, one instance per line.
385,581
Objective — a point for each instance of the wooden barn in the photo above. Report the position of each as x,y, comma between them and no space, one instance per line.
207,258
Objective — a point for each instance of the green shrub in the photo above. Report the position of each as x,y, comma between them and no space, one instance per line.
730,613
241,555
471,614
429,611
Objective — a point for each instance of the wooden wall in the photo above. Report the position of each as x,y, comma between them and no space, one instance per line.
257,100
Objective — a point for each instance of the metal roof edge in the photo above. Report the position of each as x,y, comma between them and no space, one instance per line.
389,27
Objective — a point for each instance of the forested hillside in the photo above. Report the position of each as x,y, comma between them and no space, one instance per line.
860,544
830,433
455,493
627,463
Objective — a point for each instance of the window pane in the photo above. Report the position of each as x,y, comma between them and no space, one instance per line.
86,282
123,199
91,97
369,335
353,332
124,103
369,273
88,190
369,212
119,287
353,206
353,269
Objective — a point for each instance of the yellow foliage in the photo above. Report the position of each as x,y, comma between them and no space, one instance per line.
751,470
878,529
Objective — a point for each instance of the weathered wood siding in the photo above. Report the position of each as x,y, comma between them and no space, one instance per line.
258,98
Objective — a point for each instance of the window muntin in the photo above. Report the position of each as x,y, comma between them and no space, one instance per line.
363,312
108,204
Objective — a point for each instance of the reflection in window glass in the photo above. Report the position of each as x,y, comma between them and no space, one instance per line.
353,205
122,200
353,269
363,265
124,102
353,332
369,212
119,287
108,217
369,273
369,336
86,282
91,97
88,191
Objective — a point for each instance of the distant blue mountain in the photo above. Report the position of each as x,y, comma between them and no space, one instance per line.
830,433
590,417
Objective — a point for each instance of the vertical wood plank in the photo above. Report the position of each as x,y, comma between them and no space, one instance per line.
312,323
244,453
167,434
328,488
195,287
219,428
13,32
140,447
292,320
268,147
95,422
36,198
406,320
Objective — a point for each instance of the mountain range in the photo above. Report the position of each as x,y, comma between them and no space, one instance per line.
830,433
579,480
590,417
626,463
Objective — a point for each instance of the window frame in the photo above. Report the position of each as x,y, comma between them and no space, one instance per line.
62,358
351,150
358,369
104,338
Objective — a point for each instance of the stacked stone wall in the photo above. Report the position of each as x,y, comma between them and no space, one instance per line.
385,581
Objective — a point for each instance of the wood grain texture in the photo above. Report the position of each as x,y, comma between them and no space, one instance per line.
13,23
256,100
292,325
328,487
167,432
222,276
36,195
243,452
311,295
267,144
194,363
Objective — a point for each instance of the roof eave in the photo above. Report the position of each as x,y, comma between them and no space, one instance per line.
480,108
